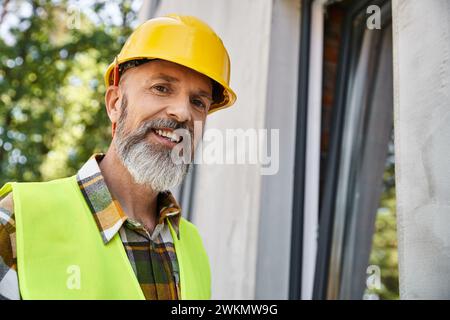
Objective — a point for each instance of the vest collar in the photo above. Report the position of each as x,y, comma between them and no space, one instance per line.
107,212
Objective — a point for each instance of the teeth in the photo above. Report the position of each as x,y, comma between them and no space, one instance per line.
168,134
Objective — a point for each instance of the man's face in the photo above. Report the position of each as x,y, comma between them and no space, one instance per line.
161,89
155,100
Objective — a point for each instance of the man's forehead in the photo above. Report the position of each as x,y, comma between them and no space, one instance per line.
169,71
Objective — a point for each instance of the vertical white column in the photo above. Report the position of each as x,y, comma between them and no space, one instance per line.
312,170
422,136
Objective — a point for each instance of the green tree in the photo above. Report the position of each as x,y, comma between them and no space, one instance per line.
52,115
384,246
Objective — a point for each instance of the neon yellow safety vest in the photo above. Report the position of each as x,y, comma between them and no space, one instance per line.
61,254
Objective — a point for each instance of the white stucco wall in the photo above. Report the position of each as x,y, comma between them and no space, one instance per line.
422,138
275,219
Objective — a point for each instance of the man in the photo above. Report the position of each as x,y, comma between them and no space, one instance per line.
114,231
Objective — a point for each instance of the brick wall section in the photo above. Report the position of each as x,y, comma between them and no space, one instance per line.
332,39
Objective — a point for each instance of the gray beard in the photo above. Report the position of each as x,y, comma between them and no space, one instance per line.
149,164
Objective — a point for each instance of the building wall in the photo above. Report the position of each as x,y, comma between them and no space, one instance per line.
422,135
332,44
275,222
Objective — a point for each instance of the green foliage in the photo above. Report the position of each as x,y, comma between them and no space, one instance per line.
384,246
52,114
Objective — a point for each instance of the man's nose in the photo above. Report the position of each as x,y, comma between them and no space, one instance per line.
180,110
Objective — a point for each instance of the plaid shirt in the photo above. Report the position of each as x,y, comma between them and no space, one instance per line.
152,256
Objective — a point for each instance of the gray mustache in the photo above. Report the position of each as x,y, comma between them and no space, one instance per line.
152,124
167,123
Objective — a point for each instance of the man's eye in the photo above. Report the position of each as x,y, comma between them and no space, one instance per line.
198,103
161,89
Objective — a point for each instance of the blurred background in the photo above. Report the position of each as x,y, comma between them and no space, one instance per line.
53,56
324,226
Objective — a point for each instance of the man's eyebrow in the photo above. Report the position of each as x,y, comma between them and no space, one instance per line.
165,77
203,93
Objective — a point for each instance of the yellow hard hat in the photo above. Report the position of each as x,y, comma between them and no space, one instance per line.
184,40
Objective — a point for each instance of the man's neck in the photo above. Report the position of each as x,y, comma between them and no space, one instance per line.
139,202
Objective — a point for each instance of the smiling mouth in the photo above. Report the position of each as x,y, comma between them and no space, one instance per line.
168,135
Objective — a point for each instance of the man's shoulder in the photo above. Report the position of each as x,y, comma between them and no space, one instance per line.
9,285
7,209
7,189
7,201
7,229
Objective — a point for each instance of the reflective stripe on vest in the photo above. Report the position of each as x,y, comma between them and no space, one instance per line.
61,254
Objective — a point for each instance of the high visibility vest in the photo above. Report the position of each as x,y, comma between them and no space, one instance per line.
61,254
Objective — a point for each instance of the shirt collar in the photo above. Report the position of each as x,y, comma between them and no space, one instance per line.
107,212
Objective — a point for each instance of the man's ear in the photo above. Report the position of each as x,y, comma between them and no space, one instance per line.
112,102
